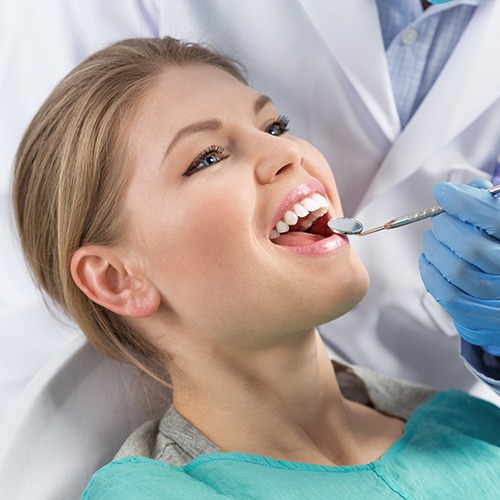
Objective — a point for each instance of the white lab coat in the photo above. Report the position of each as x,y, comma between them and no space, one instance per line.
324,65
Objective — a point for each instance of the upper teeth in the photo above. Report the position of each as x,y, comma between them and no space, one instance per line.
304,213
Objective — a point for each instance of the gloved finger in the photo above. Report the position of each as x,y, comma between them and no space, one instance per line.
468,242
476,320
470,204
478,336
461,273
445,293
481,183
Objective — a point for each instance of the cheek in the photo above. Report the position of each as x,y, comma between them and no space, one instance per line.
196,245
211,224
204,272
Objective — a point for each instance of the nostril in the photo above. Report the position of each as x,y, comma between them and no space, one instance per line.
268,170
283,168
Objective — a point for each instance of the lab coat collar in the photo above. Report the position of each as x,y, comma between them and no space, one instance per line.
467,86
360,54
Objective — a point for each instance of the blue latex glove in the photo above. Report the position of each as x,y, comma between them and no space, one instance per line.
460,264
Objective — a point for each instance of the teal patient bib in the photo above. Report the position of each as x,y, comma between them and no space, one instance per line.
450,450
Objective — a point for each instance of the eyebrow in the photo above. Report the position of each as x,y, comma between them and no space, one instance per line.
193,128
210,124
261,102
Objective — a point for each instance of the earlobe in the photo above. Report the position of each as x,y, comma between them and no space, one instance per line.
105,280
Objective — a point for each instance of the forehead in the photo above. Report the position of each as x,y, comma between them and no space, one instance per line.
179,97
197,88
182,95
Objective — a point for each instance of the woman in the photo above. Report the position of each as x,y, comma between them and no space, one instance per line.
163,204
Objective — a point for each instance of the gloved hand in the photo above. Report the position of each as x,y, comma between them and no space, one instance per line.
460,264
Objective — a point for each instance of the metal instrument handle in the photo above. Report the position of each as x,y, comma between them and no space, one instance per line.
426,213
414,217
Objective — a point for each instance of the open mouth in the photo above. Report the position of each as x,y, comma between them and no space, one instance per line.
304,223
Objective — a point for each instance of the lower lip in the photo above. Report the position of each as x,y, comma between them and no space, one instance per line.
332,244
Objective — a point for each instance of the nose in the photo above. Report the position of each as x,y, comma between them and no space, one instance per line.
277,155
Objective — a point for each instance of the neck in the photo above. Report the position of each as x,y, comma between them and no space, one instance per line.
282,402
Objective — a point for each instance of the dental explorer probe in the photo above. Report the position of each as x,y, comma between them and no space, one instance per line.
351,226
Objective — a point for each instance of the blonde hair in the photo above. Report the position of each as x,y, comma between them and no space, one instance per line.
67,185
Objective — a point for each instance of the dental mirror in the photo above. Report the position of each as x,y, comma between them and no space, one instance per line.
348,225
345,225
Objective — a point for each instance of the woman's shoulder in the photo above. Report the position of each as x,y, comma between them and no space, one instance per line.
142,441
392,396
172,440
140,477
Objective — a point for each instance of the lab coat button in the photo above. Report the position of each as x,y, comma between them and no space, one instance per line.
410,36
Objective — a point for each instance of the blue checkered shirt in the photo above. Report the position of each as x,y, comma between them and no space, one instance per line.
418,43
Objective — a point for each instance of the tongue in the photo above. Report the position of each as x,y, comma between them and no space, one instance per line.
297,239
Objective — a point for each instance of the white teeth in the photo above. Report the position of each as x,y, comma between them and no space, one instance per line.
323,202
302,214
290,218
306,224
310,204
282,227
300,210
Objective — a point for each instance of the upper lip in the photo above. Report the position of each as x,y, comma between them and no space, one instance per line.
297,194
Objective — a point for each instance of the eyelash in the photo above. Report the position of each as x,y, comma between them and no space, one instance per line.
282,122
203,156
280,126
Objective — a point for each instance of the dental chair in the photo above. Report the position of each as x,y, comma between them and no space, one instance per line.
70,420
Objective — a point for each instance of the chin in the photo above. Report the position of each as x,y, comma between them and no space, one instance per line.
360,285
349,292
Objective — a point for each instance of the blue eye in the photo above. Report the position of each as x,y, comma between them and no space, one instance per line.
280,126
211,156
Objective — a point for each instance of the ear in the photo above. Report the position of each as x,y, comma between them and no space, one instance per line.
104,278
